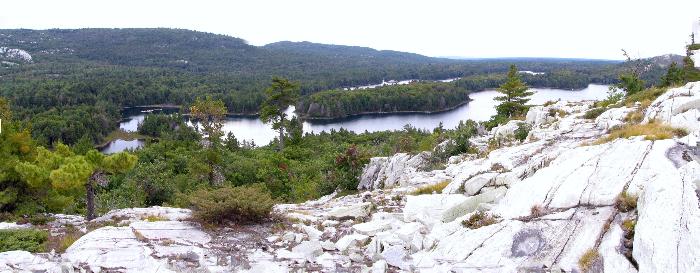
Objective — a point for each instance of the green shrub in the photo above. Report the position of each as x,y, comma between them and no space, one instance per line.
239,204
31,240
694,47
522,132
594,113
649,94
480,219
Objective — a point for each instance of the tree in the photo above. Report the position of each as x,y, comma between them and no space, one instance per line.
279,96
210,114
515,94
674,76
57,177
630,81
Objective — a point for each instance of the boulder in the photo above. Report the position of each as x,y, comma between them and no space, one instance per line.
350,240
678,107
429,208
309,250
351,212
612,117
371,228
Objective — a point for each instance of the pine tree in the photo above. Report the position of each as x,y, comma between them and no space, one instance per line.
515,95
280,95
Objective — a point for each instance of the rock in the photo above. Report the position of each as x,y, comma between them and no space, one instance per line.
350,240
329,223
313,233
308,249
372,228
9,225
267,267
379,267
399,169
351,212
11,261
139,214
326,260
507,130
328,245
397,256
667,234
429,208
472,203
356,257
612,117
678,107
113,247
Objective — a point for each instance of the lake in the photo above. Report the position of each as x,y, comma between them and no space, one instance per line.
481,108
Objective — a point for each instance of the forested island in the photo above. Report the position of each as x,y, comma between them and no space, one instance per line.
415,97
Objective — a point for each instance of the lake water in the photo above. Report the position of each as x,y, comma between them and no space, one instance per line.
481,108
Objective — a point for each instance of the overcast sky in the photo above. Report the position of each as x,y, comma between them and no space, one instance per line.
489,28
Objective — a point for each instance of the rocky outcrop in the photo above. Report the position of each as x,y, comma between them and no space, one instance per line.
679,107
536,206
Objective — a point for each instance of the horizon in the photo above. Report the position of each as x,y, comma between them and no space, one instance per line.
546,29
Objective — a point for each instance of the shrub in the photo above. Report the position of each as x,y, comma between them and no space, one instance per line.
522,132
634,117
553,112
32,240
480,219
649,94
626,202
587,260
66,241
537,211
241,204
549,102
430,189
594,113
651,131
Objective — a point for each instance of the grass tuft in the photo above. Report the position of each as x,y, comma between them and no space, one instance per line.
586,261
626,202
480,219
651,131
430,189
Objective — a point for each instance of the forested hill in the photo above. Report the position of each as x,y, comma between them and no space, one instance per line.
54,77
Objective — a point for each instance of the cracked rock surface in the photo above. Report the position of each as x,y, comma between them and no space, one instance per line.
553,198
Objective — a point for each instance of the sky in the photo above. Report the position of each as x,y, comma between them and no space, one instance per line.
482,29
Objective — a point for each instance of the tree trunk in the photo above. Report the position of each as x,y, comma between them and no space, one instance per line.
281,142
90,189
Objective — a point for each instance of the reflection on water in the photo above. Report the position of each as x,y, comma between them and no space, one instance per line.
122,145
481,108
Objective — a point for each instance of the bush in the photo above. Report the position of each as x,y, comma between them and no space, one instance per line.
522,132
594,113
32,240
587,260
480,219
649,94
651,131
239,204
430,189
626,202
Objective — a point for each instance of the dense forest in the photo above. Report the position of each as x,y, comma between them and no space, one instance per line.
70,84
414,97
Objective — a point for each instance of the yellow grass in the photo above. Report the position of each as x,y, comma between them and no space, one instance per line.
429,189
651,131
587,260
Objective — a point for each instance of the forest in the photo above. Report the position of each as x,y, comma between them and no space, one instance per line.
414,97
73,83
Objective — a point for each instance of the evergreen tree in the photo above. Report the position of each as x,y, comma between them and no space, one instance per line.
57,178
279,96
515,95
674,75
210,114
